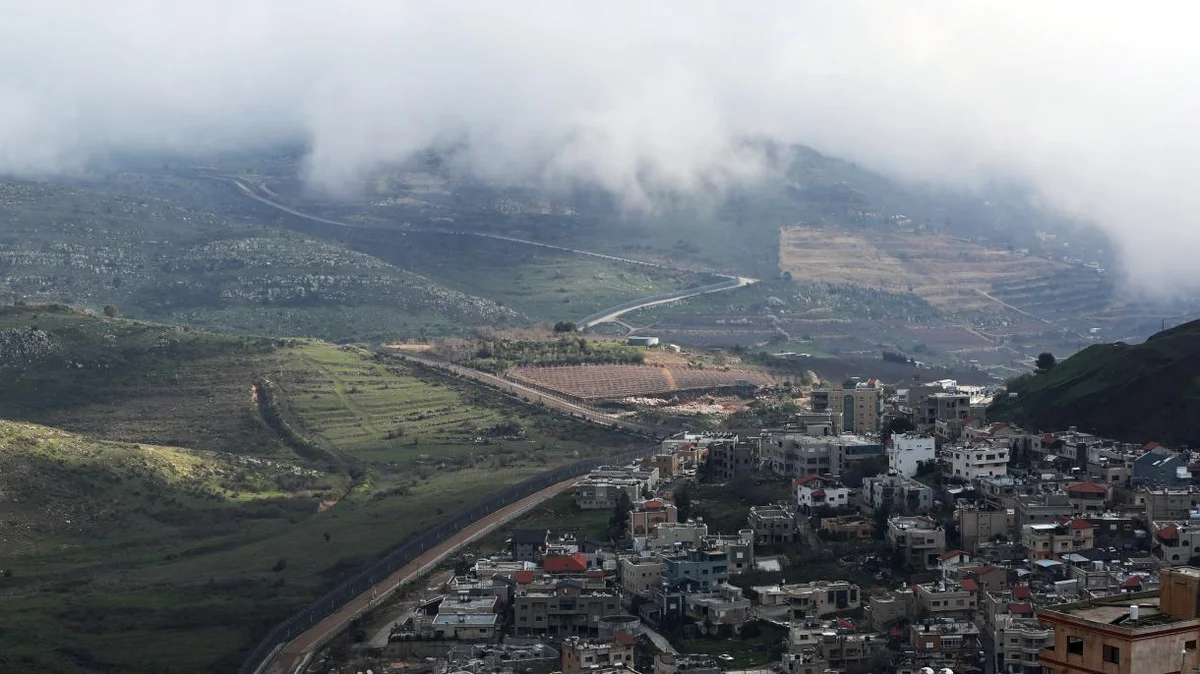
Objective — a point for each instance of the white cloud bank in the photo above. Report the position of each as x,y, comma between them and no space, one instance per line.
1095,103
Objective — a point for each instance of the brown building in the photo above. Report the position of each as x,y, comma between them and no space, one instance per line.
565,607
849,527
579,655
1136,633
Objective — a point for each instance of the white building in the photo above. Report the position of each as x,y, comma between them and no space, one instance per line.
814,492
972,463
908,451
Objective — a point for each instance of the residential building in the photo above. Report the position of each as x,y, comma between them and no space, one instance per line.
1087,498
649,514
1128,634
947,599
579,655
919,540
774,524
945,639
896,493
814,493
731,457
562,607
981,523
1161,467
669,464
973,463
1053,540
527,545
848,527
1168,504
739,549
908,451
837,646
821,598
697,570
796,455
886,609
603,493
723,605
638,574
1017,641
1042,509
1176,542
867,398
575,563
465,626
677,535
672,663
941,406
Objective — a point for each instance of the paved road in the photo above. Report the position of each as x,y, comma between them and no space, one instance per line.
296,655
604,316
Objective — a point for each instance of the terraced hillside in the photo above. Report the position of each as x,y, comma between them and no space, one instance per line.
118,554
604,382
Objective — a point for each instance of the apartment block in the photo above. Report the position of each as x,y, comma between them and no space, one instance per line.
920,540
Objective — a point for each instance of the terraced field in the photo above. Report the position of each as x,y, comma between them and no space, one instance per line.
603,382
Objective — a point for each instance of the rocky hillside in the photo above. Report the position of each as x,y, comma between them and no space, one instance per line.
1138,393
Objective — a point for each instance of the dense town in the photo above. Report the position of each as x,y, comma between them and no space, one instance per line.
909,535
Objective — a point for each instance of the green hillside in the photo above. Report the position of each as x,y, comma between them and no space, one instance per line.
296,463
1138,393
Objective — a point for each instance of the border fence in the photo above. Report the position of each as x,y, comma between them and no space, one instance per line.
410,549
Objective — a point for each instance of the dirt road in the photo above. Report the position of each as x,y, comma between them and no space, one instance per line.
296,655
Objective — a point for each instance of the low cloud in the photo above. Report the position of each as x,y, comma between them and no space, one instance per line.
1091,102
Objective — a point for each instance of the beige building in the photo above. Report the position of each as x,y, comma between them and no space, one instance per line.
579,655
639,574
1136,633
565,607
821,598
919,539
868,406
1052,541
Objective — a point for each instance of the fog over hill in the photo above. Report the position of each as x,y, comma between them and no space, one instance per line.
1088,104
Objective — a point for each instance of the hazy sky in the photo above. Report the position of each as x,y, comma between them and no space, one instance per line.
1095,103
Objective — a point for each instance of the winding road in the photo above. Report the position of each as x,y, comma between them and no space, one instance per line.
611,314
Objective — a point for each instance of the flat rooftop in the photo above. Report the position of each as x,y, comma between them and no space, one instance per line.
1116,612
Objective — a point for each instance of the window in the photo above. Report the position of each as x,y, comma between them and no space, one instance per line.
1075,646
1112,654
1189,645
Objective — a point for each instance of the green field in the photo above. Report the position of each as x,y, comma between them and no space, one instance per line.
124,556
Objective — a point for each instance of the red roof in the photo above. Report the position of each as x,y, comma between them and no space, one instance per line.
624,638
1080,524
819,493
845,624
952,554
524,577
1169,532
654,504
1022,592
970,585
1151,445
1087,488
1049,439
1131,582
574,563
801,481
1020,608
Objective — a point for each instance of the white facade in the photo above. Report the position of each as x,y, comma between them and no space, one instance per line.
972,463
908,451
812,496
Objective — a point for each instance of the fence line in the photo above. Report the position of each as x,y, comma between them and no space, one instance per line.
409,550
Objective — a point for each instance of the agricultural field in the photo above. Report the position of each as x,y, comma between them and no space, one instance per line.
606,382
121,553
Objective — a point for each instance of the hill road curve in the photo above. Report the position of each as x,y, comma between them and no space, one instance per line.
296,655
603,316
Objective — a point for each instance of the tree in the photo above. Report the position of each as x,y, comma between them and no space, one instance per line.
1045,362
619,521
564,326
683,502
111,311
897,425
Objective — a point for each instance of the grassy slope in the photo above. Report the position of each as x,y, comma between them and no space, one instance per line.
1137,393
185,580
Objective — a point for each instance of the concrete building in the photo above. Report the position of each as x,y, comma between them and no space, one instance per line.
973,463
603,493
1043,509
648,514
1161,467
867,399
820,598
1128,634
1176,542
909,451
562,607
1016,643
465,626
920,540
886,609
945,639
1087,498
579,655
527,545
723,605
698,570
1168,504
942,406
796,455
1053,540
774,524
848,527
814,493
947,599
979,524
730,457
673,535
897,494
638,574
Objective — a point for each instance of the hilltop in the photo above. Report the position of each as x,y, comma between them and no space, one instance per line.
1137,393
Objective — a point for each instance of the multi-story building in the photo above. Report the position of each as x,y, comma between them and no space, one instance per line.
1016,641
698,570
774,524
848,527
1042,509
919,540
738,549
814,492
638,574
972,463
527,545
603,493
730,457
897,494
867,399
1161,467
942,406
909,451
723,605
1168,504
886,609
669,464
979,524
796,455
821,598
1177,542
839,647
945,639
562,607
1053,540
648,514
947,599
673,535
1087,498
1128,634
579,655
